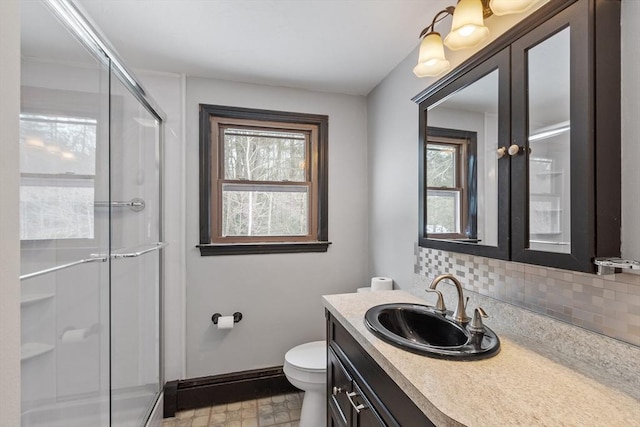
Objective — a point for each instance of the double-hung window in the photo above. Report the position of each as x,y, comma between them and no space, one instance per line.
57,177
59,132
263,181
450,155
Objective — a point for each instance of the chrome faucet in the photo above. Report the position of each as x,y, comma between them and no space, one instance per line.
459,315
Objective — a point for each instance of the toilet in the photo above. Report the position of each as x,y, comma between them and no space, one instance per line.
305,366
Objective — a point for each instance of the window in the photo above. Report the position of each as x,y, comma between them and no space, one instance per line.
450,182
263,181
57,162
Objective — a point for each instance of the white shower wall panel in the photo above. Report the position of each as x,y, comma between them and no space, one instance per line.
76,299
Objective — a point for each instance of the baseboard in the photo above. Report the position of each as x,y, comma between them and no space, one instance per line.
219,389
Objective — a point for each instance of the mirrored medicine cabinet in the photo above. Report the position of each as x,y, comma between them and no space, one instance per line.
520,145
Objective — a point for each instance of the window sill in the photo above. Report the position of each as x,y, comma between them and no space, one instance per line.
213,249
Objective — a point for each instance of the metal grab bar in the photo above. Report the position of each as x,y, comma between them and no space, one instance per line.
63,266
120,255
136,204
94,258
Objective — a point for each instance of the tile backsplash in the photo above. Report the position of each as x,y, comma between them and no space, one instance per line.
609,304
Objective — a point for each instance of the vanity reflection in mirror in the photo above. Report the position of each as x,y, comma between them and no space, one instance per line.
461,164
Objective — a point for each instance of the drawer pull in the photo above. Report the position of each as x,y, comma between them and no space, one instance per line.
336,390
359,407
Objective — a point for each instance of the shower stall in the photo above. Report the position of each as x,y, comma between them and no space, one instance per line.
90,227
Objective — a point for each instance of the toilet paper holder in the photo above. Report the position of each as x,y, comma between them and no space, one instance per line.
237,316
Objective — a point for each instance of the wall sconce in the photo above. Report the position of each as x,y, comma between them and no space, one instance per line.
467,31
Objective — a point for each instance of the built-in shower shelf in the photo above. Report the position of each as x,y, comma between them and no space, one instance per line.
34,298
30,350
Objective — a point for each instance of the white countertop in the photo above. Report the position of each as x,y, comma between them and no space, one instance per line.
518,386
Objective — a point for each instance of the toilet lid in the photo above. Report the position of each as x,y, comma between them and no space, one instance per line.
311,356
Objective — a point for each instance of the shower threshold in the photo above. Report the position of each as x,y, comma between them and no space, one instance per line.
94,411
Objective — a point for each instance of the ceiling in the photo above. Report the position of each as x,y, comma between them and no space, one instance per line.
343,46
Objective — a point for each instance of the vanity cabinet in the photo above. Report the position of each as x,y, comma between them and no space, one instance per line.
359,392
544,186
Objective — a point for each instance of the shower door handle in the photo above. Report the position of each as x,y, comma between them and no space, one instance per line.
120,255
94,258
156,247
137,204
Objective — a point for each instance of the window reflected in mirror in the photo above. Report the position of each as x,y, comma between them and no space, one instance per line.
447,186
461,174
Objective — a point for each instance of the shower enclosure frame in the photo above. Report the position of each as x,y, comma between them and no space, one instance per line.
80,25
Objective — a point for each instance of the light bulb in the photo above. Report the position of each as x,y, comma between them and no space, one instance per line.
467,30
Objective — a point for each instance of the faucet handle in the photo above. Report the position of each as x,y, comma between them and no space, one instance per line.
476,325
440,307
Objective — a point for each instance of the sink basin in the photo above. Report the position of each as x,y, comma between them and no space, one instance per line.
417,328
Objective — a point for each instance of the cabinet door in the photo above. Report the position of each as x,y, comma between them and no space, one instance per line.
464,182
554,81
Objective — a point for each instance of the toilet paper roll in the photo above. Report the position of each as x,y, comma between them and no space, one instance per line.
225,322
75,335
367,289
381,284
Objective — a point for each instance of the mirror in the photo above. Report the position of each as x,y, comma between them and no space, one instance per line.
517,161
461,176
549,140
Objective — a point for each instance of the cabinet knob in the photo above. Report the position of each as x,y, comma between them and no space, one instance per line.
501,152
336,390
359,407
514,149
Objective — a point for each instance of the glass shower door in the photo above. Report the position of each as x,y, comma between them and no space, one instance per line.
90,225
135,257
64,226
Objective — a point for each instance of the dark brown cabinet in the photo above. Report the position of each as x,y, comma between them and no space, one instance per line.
543,104
359,392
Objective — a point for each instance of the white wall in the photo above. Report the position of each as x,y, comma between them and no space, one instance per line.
393,173
9,238
279,295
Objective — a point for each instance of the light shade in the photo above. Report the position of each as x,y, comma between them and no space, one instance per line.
467,27
431,61
505,7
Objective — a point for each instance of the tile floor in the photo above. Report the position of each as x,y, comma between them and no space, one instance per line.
275,411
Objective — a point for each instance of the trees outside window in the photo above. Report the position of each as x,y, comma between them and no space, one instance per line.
57,174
